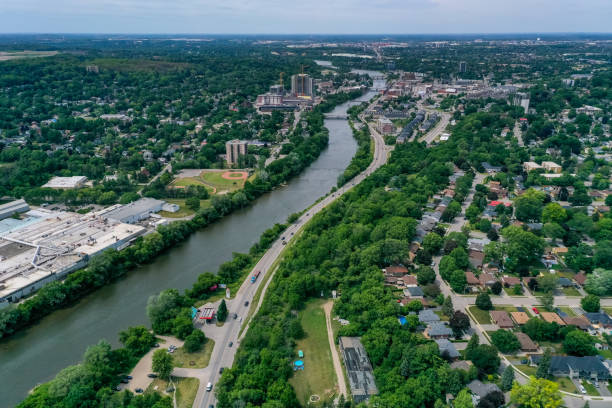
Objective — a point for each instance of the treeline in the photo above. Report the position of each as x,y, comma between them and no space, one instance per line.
112,264
363,156
92,382
344,248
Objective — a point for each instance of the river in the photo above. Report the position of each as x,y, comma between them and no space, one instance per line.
36,354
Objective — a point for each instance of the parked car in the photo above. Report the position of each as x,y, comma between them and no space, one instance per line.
138,390
231,343
582,390
152,375
129,377
125,380
246,303
209,387
221,370
156,345
535,310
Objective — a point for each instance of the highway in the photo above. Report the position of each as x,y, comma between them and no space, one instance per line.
223,355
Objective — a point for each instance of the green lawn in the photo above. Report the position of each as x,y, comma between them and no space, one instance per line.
199,359
570,292
215,179
607,354
183,210
188,181
507,308
481,316
608,310
567,310
527,369
590,388
565,384
186,390
318,376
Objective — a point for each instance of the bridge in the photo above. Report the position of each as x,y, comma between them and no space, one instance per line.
336,117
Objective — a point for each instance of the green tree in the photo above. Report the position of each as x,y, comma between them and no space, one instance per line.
463,400
507,378
483,301
222,311
496,288
447,306
161,309
425,275
447,267
505,341
461,257
486,359
137,339
548,301
590,303
162,363
194,341
537,393
544,366
458,281
472,346
554,213
193,203
433,242
579,343
599,282
528,206
459,322
548,283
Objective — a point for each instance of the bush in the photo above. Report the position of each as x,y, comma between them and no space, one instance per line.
194,341
426,275
590,303
496,288
483,301
505,341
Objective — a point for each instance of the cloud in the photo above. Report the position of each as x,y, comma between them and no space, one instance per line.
312,16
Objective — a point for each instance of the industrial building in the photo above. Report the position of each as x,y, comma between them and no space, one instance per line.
133,212
358,369
12,208
45,246
66,183
234,149
384,126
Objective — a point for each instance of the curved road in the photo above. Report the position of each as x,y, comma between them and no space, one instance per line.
223,354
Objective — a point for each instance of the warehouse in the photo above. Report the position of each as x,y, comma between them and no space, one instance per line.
358,369
47,245
14,207
133,212
66,183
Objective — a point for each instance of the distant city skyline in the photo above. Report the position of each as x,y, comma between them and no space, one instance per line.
312,17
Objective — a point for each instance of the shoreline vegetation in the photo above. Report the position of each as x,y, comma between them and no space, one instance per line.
112,264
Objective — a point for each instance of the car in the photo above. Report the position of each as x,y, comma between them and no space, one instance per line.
117,388
211,406
235,316
535,310
129,377
582,390
284,242
125,380
221,370
231,343
209,387
292,233
283,238
152,375
156,345
138,390
246,303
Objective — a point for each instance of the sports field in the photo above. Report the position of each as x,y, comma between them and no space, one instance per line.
217,181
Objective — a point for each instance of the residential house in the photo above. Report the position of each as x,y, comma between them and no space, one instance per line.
447,349
565,283
527,345
480,390
476,258
519,318
413,292
589,367
510,281
531,166
437,330
486,280
579,321
408,280
552,167
599,320
580,278
490,168
501,318
395,270
471,279
428,316
461,365
552,317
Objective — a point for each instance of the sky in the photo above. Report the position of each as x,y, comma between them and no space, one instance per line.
305,16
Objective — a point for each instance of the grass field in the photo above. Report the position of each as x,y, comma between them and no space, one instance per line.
186,390
570,292
567,310
215,179
318,376
198,359
481,316
183,211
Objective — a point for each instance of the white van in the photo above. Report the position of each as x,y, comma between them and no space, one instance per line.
209,386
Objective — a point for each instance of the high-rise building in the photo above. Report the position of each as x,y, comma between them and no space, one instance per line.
462,66
302,85
234,149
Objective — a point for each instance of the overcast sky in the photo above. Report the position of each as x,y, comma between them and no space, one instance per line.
304,16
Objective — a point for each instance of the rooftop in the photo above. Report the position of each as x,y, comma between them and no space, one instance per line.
65,182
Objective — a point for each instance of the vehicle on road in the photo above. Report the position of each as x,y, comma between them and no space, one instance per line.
255,276
139,390
129,377
209,386
156,345
235,316
231,343
221,370
582,390
284,242
152,375
246,303
283,238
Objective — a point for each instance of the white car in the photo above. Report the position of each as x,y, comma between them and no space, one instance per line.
582,390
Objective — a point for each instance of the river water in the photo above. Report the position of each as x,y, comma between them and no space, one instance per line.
36,354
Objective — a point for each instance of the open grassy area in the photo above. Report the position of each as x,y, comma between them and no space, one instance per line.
188,181
215,179
481,316
318,376
608,310
570,292
186,389
565,384
507,308
567,310
527,369
198,359
183,210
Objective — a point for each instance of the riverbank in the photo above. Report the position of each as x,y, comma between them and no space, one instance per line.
60,339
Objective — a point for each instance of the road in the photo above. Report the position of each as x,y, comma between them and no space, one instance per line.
342,390
430,136
223,355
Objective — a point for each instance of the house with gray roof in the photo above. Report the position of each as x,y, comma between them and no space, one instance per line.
590,367
447,349
480,390
413,292
428,316
437,330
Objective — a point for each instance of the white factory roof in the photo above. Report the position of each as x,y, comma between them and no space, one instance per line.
65,182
